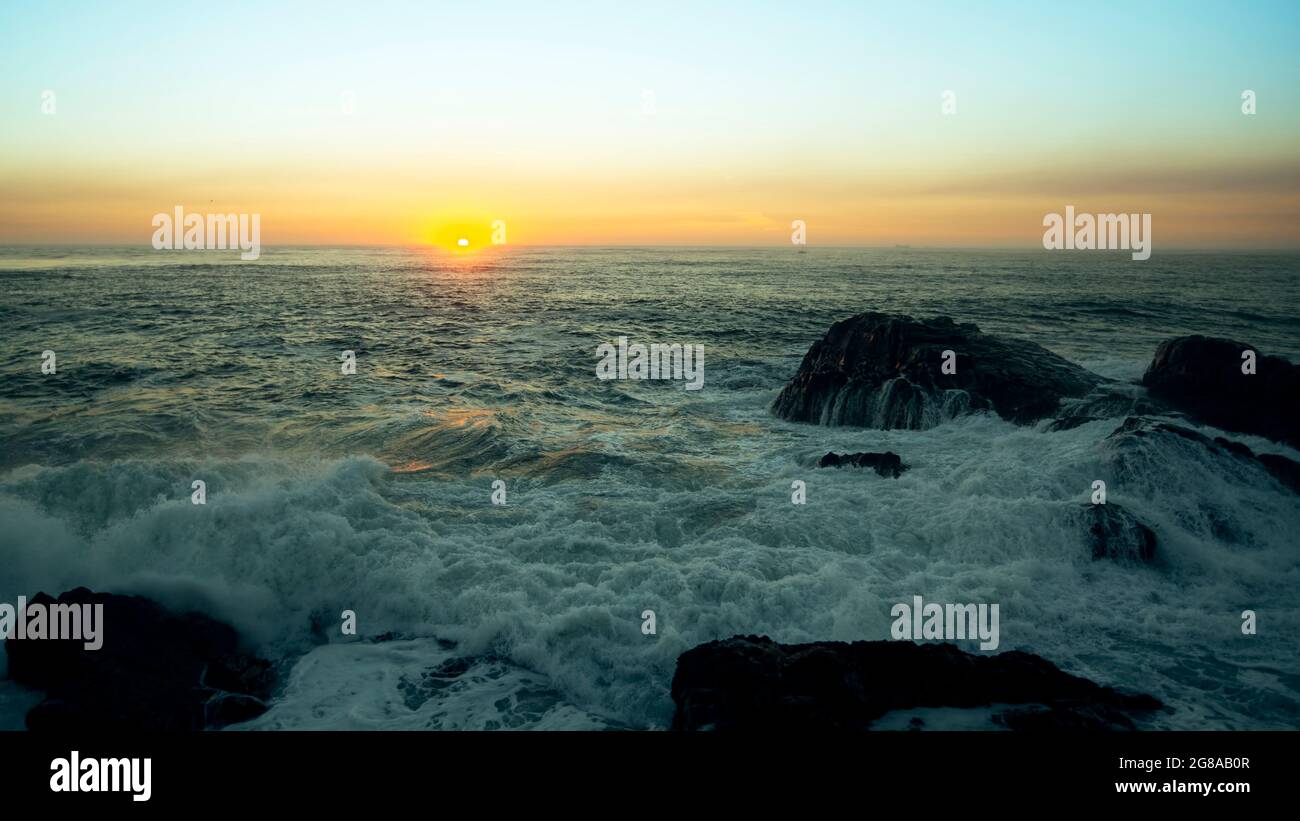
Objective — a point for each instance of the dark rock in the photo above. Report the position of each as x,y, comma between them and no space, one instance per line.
156,670
1116,534
1286,471
1137,428
1044,719
1142,426
1103,405
751,683
236,673
1202,376
1069,423
884,371
1107,401
232,708
887,464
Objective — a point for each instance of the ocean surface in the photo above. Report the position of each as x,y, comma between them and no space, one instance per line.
372,492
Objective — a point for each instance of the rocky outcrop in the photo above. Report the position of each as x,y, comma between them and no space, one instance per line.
887,464
1116,534
1137,428
751,683
1202,376
156,670
886,371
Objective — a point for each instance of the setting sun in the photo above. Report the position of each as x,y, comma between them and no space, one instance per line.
462,236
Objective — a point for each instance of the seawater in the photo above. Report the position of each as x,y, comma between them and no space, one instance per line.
371,492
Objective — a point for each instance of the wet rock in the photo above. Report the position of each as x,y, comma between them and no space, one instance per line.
1116,534
885,371
1203,377
751,683
232,708
156,670
1286,471
1107,401
887,464
1137,428
1069,423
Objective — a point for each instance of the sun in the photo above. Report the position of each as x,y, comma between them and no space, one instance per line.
461,237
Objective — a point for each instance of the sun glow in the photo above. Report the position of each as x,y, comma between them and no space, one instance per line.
461,237
464,247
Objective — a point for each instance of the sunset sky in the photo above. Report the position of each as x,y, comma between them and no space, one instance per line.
611,124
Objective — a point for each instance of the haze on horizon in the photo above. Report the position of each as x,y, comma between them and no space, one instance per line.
578,124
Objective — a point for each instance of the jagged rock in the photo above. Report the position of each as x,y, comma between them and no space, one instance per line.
156,670
1286,471
1203,377
887,464
1114,533
751,683
884,371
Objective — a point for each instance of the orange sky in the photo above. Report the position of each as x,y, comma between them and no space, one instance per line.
368,207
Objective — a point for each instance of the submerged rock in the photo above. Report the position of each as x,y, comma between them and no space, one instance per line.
885,371
1203,377
156,670
1116,534
887,464
1107,401
751,683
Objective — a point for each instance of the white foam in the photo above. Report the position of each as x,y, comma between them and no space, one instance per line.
556,580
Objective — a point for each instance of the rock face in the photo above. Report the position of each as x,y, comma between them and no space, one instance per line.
1116,534
887,464
156,670
751,683
1202,376
885,371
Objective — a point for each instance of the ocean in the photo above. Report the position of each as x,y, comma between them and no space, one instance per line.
372,491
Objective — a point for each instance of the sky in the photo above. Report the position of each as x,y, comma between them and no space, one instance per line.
684,124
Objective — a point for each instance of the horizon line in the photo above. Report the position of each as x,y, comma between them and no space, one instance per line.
836,246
